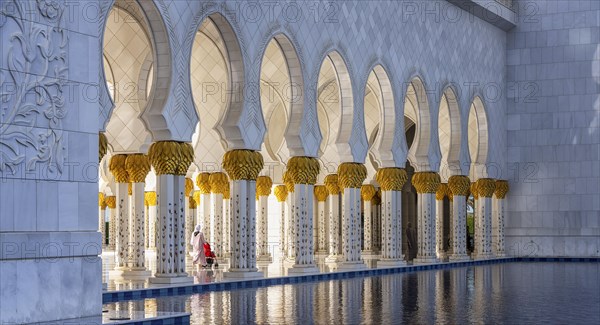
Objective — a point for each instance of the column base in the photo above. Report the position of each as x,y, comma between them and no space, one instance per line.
425,260
386,264
130,274
243,274
264,258
333,259
459,257
483,257
303,269
173,279
343,266
442,256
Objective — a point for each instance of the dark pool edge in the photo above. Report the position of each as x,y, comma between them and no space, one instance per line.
137,294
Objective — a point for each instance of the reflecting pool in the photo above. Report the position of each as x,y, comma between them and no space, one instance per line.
508,293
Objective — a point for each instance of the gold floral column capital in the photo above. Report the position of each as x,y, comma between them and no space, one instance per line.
321,193
331,182
111,202
473,190
117,168
391,179
185,159
193,204
219,183
138,167
303,170
101,201
442,192
196,197
458,185
243,164
486,187
203,182
165,157
351,175
426,182
227,194
288,182
189,186
263,186
501,188
150,199
281,193
367,192
102,146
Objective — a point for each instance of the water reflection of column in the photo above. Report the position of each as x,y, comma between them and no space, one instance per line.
498,218
392,297
367,192
243,167
351,302
459,189
440,194
303,303
331,183
350,178
426,301
335,299
281,195
111,203
203,182
243,304
426,184
483,290
321,194
117,168
262,306
459,295
485,189
219,184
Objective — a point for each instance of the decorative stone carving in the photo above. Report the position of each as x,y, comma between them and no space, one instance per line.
33,93
391,179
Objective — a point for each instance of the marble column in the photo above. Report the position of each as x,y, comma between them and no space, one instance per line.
440,194
290,244
458,186
302,172
243,167
485,188
331,183
426,184
138,166
219,184
190,214
350,178
321,195
117,168
101,217
499,203
152,219
146,222
171,161
263,190
204,217
281,194
367,192
111,204
227,221
376,204
391,180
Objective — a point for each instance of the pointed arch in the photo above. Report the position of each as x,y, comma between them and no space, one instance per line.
449,132
478,137
416,108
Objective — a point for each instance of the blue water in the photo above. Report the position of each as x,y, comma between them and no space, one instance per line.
510,293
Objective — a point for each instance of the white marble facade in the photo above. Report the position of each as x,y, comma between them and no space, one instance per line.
57,94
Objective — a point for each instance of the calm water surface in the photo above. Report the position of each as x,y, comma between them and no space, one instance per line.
512,293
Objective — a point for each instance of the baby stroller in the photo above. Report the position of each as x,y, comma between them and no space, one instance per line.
210,256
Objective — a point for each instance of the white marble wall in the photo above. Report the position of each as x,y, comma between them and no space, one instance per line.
553,135
51,154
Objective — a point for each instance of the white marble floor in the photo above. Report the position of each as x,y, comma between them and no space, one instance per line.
277,268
